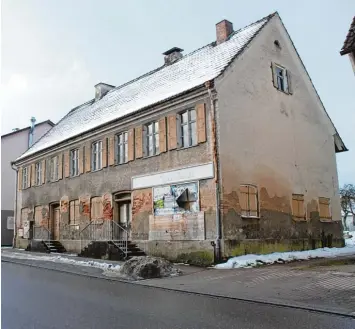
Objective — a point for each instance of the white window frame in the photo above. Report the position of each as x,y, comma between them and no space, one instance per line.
54,168
24,182
152,139
74,162
122,147
190,134
283,77
38,173
96,152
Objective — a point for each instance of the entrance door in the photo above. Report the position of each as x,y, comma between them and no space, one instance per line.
56,222
122,214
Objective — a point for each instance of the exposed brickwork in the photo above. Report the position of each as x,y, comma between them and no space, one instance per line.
142,207
107,210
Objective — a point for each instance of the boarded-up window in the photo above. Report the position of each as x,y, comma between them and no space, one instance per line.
74,212
24,216
298,211
38,215
201,123
249,201
324,209
96,208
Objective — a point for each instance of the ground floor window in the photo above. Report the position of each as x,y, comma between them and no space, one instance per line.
177,198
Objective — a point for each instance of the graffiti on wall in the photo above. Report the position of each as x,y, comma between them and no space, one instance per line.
176,199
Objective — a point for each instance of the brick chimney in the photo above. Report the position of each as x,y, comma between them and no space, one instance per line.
223,30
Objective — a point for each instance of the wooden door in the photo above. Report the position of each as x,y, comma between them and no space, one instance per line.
56,221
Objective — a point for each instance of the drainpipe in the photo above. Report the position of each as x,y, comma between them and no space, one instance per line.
30,139
15,209
211,92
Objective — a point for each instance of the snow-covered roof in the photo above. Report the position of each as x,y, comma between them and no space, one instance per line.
190,71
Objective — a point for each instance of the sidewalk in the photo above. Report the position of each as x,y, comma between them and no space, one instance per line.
309,284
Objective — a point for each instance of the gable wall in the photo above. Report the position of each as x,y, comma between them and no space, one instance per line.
281,143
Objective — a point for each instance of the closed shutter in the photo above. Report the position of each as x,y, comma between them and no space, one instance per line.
298,212
33,175
253,201
111,150
162,135
19,179
88,157
81,160
172,136
60,166
130,144
104,152
324,208
43,178
274,75
201,123
243,200
139,142
66,164
28,176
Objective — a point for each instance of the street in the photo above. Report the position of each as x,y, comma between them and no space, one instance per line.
42,299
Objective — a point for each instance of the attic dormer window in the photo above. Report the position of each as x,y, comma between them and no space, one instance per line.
281,78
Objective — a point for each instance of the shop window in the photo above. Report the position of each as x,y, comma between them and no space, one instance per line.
174,199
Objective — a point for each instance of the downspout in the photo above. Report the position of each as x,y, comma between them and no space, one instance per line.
15,209
32,128
211,92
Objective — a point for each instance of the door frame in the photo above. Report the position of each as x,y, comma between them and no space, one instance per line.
51,222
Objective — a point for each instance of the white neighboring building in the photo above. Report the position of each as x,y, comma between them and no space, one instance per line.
13,145
350,223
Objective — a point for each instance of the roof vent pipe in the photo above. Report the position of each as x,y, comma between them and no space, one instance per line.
32,129
172,55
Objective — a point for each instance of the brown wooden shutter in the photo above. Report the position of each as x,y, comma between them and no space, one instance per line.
33,175
274,75
81,160
104,152
131,144
88,157
162,135
19,179
172,136
298,206
60,166
253,201
243,200
43,178
139,142
66,164
324,208
201,123
111,150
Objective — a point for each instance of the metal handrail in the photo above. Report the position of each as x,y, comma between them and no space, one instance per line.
105,230
42,228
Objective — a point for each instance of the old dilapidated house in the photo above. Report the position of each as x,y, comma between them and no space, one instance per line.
223,151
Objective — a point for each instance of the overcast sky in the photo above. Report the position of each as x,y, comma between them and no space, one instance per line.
54,52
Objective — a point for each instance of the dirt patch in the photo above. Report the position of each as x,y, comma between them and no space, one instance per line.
146,267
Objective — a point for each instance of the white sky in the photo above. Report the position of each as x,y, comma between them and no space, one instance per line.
54,52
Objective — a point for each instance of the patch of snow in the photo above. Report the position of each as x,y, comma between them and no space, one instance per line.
283,257
64,260
349,238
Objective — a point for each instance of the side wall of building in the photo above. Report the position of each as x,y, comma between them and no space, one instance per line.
281,143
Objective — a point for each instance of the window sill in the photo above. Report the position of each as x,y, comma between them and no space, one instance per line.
250,217
281,91
74,176
96,170
299,219
325,220
150,156
187,147
120,164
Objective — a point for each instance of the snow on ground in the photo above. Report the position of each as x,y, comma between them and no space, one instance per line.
350,238
61,259
254,260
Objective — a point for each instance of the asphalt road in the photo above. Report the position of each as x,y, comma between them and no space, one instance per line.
42,299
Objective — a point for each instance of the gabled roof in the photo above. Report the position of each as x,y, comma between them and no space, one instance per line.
349,43
190,72
48,122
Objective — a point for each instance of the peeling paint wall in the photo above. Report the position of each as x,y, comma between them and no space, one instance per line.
281,143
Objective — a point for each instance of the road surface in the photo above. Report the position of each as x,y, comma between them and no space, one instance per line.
35,298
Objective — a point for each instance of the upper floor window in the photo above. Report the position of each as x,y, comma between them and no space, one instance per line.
54,168
25,173
38,173
74,162
96,162
188,128
282,78
122,148
151,135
